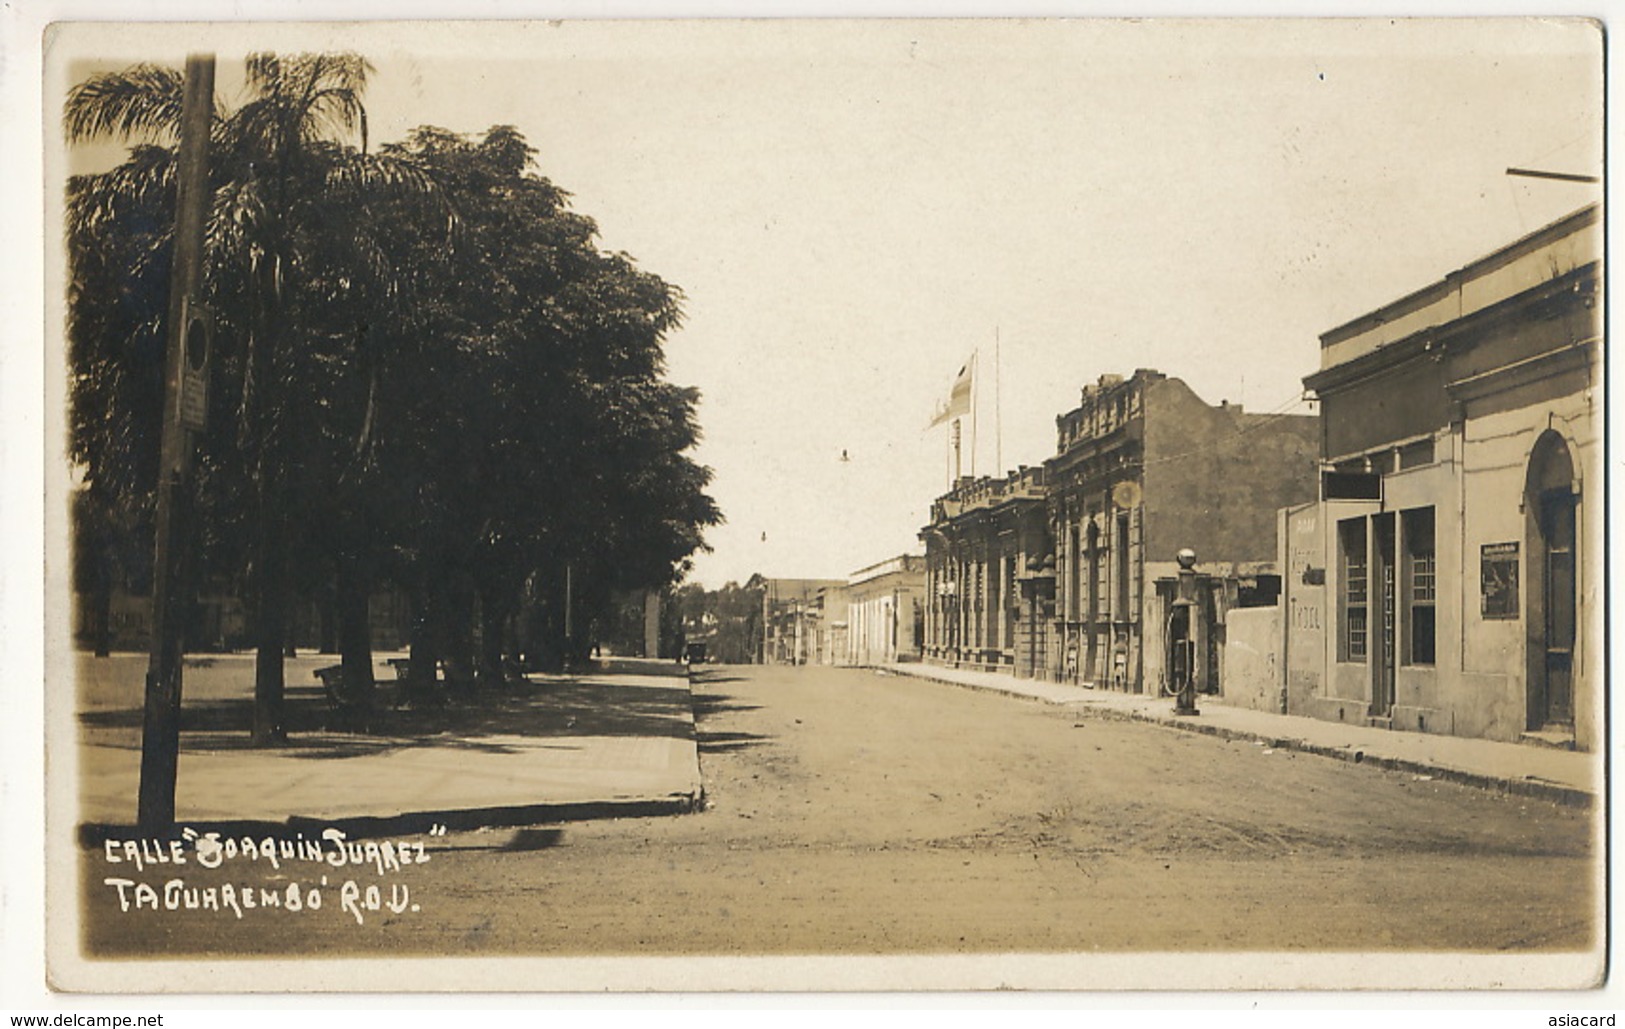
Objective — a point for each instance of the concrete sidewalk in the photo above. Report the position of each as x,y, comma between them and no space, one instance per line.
618,741
1566,777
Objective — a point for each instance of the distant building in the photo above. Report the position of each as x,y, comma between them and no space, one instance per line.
984,537
1449,578
793,613
885,611
1066,571
829,614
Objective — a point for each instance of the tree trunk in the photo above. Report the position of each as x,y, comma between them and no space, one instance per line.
271,631
353,613
101,618
493,617
424,647
457,623
543,649
327,620
270,557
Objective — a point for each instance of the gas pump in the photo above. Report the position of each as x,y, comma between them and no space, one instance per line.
1181,637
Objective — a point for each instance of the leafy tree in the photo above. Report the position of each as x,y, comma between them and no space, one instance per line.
727,619
287,258
426,371
548,447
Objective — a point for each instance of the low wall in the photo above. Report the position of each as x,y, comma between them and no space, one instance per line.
1252,659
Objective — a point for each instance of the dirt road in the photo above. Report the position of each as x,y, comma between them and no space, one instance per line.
859,813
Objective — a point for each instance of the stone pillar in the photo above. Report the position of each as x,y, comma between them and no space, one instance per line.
1001,564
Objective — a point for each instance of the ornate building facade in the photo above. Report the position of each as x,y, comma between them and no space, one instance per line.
1144,468
984,535
1066,571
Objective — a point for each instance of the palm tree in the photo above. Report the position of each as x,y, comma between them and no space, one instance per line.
287,257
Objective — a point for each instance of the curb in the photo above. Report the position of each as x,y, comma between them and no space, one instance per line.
414,822
973,686
508,817
1539,789
420,822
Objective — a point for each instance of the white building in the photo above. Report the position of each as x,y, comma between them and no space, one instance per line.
885,606
1449,579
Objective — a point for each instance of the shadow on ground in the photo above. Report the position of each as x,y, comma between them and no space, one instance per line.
554,707
722,742
710,704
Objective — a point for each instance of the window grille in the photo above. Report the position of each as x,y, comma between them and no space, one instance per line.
1421,571
1356,586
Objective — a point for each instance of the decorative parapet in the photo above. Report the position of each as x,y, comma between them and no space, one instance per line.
986,492
1103,408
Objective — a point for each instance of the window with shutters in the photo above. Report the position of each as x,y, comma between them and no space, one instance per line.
1421,587
1351,636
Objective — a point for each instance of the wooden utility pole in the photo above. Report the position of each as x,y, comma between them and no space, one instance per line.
185,399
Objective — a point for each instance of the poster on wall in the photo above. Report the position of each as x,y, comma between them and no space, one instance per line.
1499,579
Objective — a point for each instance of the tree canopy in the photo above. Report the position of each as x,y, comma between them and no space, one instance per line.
426,370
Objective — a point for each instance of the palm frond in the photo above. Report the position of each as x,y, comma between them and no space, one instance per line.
263,72
309,94
236,219
355,175
142,102
334,111
144,181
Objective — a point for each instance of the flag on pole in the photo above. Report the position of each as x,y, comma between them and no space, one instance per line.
958,401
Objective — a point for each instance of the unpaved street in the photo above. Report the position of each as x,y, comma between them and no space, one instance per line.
854,812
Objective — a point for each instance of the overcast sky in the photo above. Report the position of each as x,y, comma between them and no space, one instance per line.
852,209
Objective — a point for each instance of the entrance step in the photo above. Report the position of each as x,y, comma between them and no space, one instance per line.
1379,721
1556,737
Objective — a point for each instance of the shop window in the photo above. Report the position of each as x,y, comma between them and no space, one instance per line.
1350,485
1351,636
1421,584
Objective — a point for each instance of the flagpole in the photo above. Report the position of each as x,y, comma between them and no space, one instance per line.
975,392
998,411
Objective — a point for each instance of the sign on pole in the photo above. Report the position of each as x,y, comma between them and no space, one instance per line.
198,326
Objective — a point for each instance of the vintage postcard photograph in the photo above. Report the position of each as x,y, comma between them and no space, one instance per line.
825,505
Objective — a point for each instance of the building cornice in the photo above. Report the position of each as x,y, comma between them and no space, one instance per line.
1436,339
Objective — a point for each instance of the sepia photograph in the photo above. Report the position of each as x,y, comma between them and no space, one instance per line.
897,504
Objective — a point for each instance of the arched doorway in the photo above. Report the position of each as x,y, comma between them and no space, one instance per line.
1551,498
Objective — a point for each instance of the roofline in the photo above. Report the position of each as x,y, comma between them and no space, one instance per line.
1424,340
1563,226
